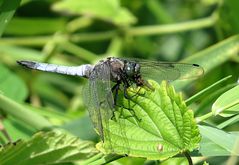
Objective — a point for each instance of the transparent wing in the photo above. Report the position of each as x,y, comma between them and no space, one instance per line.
99,98
101,105
168,70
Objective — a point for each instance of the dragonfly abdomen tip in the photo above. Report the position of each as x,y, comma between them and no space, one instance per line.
28,64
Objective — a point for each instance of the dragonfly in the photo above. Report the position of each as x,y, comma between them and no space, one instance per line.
112,74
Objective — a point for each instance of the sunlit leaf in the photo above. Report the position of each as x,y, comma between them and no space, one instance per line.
159,125
216,142
51,147
108,10
229,122
228,103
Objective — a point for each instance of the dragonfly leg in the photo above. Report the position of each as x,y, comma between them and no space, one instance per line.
133,115
137,93
115,89
131,110
125,91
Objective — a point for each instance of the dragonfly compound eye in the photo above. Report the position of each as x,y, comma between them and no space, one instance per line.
130,69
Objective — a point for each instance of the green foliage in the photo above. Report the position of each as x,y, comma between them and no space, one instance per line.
17,85
228,13
75,32
107,10
212,57
51,147
7,10
164,126
17,110
214,140
227,104
18,26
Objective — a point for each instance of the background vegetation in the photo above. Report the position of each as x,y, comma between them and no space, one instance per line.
76,32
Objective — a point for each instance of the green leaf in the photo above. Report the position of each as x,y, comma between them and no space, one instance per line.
76,127
228,122
207,90
19,112
212,57
228,13
19,53
47,147
227,104
7,9
108,10
154,124
11,85
16,129
18,26
216,142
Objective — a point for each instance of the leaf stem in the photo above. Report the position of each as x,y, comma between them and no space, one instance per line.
93,36
204,117
190,162
202,92
78,51
226,107
173,28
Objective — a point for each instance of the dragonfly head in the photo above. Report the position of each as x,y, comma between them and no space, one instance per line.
132,69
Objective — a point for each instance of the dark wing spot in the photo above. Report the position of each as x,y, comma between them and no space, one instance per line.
196,65
170,66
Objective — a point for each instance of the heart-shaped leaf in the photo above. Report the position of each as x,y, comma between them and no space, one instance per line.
153,124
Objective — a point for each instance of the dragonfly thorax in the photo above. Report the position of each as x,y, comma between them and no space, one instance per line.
123,71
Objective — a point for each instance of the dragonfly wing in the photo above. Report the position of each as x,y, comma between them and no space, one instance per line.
168,70
101,107
99,98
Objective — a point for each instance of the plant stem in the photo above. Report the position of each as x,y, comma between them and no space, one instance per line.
190,162
93,36
21,113
202,92
159,11
26,41
173,28
78,51
204,117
